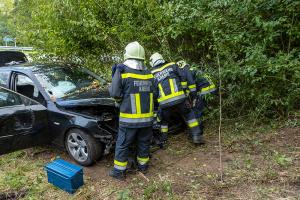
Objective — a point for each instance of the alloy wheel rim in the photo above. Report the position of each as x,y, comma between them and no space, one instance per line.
77,147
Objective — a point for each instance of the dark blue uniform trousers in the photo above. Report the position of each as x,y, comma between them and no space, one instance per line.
187,113
126,137
198,109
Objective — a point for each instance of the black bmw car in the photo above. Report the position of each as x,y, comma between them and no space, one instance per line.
69,107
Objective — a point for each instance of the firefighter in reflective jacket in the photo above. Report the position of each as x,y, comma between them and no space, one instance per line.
167,79
132,87
204,86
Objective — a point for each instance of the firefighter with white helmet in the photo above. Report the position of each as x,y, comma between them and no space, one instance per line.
168,79
204,86
132,87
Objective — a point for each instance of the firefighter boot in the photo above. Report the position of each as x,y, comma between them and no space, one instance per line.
198,138
143,168
117,174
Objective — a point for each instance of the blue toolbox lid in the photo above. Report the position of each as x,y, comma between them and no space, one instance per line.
64,168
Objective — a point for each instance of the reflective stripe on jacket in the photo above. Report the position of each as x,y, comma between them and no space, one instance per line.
168,78
190,84
134,89
206,85
203,82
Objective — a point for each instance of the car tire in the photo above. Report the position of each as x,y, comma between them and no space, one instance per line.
83,148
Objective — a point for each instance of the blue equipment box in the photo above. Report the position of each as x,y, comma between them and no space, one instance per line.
65,175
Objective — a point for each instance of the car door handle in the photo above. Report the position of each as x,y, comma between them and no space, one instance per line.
23,128
25,132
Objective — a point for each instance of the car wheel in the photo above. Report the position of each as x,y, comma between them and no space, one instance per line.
83,148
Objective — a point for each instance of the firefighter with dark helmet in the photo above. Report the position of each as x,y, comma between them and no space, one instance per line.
171,97
132,87
204,86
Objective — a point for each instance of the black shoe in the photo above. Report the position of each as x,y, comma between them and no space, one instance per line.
162,140
117,174
164,137
143,168
131,165
198,139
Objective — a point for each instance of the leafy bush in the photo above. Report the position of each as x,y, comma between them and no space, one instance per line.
257,42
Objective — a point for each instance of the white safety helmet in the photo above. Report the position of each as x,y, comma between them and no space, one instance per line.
156,59
181,63
135,51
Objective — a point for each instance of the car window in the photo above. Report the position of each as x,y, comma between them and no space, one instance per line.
26,87
68,83
8,98
4,78
24,80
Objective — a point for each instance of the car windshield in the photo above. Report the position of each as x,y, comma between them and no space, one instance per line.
68,83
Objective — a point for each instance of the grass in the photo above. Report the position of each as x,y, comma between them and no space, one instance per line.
260,162
124,195
20,172
281,159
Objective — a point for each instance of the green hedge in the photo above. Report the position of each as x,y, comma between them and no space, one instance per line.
257,41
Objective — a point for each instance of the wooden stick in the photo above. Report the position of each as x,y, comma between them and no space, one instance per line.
220,113
143,176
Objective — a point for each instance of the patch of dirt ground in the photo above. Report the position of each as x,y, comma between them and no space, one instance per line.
256,165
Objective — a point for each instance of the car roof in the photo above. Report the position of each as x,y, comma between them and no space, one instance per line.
26,66
36,67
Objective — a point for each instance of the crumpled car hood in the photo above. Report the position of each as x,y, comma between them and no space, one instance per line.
87,102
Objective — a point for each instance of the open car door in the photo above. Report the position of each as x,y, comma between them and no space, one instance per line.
12,57
23,122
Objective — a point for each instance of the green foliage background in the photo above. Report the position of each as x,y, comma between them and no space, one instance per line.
257,41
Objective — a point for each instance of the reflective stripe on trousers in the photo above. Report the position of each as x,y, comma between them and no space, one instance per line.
164,128
192,123
142,161
120,165
183,84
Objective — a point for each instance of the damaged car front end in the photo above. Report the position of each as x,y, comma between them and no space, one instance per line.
99,116
81,117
